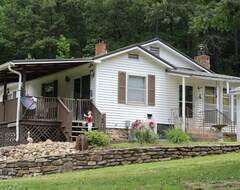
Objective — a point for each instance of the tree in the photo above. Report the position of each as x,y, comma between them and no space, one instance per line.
63,48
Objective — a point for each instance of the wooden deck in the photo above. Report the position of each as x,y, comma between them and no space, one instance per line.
53,119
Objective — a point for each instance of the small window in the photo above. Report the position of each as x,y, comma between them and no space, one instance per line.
50,89
155,50
136,91
133,56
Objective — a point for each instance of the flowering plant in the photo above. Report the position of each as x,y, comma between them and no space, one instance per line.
151,124
143,134
138,124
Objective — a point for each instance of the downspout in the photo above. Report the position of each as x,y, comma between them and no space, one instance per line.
18,97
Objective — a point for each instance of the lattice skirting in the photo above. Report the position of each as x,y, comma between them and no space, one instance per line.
7,136
41,132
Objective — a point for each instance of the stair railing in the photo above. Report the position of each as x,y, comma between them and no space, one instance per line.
65,116
215,117
99,118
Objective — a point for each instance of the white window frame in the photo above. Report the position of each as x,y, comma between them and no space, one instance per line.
216,96
146,89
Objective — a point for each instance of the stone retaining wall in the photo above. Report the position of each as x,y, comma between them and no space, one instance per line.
106,158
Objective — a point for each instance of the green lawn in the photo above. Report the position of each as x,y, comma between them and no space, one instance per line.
210,172
135,144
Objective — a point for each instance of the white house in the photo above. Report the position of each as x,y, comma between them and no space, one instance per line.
129,83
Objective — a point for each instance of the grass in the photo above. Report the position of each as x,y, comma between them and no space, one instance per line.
166,143
210,172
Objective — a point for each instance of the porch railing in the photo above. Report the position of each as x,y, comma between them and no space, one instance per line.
204,120
8,110
46,109
79,107
215,117
65,116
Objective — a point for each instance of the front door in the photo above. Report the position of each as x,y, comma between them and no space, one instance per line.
82,87
81,91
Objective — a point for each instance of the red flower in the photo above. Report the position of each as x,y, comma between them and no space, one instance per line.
151,123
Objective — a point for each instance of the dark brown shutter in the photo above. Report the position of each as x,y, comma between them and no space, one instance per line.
43,89
121,87
55,88
151,90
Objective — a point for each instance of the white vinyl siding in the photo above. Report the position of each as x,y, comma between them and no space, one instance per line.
165,90
65,89
172,57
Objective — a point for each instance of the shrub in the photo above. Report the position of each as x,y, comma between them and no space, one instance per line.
97,138
227,139
143,134
176,135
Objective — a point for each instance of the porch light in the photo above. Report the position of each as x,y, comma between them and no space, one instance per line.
92,73
67,79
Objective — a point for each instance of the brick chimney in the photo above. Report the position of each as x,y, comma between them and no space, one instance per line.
100,48
202,58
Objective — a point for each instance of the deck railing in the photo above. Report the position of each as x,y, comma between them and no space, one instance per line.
46,109
79,107
53,109
215,117
65,116
203,120
8,110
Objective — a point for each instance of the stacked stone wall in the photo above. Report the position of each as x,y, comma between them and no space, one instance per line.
105,158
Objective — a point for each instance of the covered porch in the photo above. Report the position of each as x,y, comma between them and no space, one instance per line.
55,117
205,101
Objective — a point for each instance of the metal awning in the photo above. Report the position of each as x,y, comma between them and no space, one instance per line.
234,91
38,68
203,75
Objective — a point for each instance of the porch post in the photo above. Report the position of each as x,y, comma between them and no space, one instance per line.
5,87
24,81
238,118
232,108
218,97
221,97
227,87
183,103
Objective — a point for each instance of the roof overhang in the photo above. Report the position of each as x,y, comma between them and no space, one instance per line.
38,68
134,48
235,91
203,75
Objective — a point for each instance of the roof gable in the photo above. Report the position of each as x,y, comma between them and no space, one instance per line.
98,59
176,52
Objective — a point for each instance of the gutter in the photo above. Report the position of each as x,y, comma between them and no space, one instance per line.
18,97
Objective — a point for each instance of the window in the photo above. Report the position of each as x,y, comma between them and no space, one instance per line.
210,98
210,103
50,89
188,101
136,89
155,50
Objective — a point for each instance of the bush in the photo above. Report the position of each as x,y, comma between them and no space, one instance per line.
97,138
176,135
145,136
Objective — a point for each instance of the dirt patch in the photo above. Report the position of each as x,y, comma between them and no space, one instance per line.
220,185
